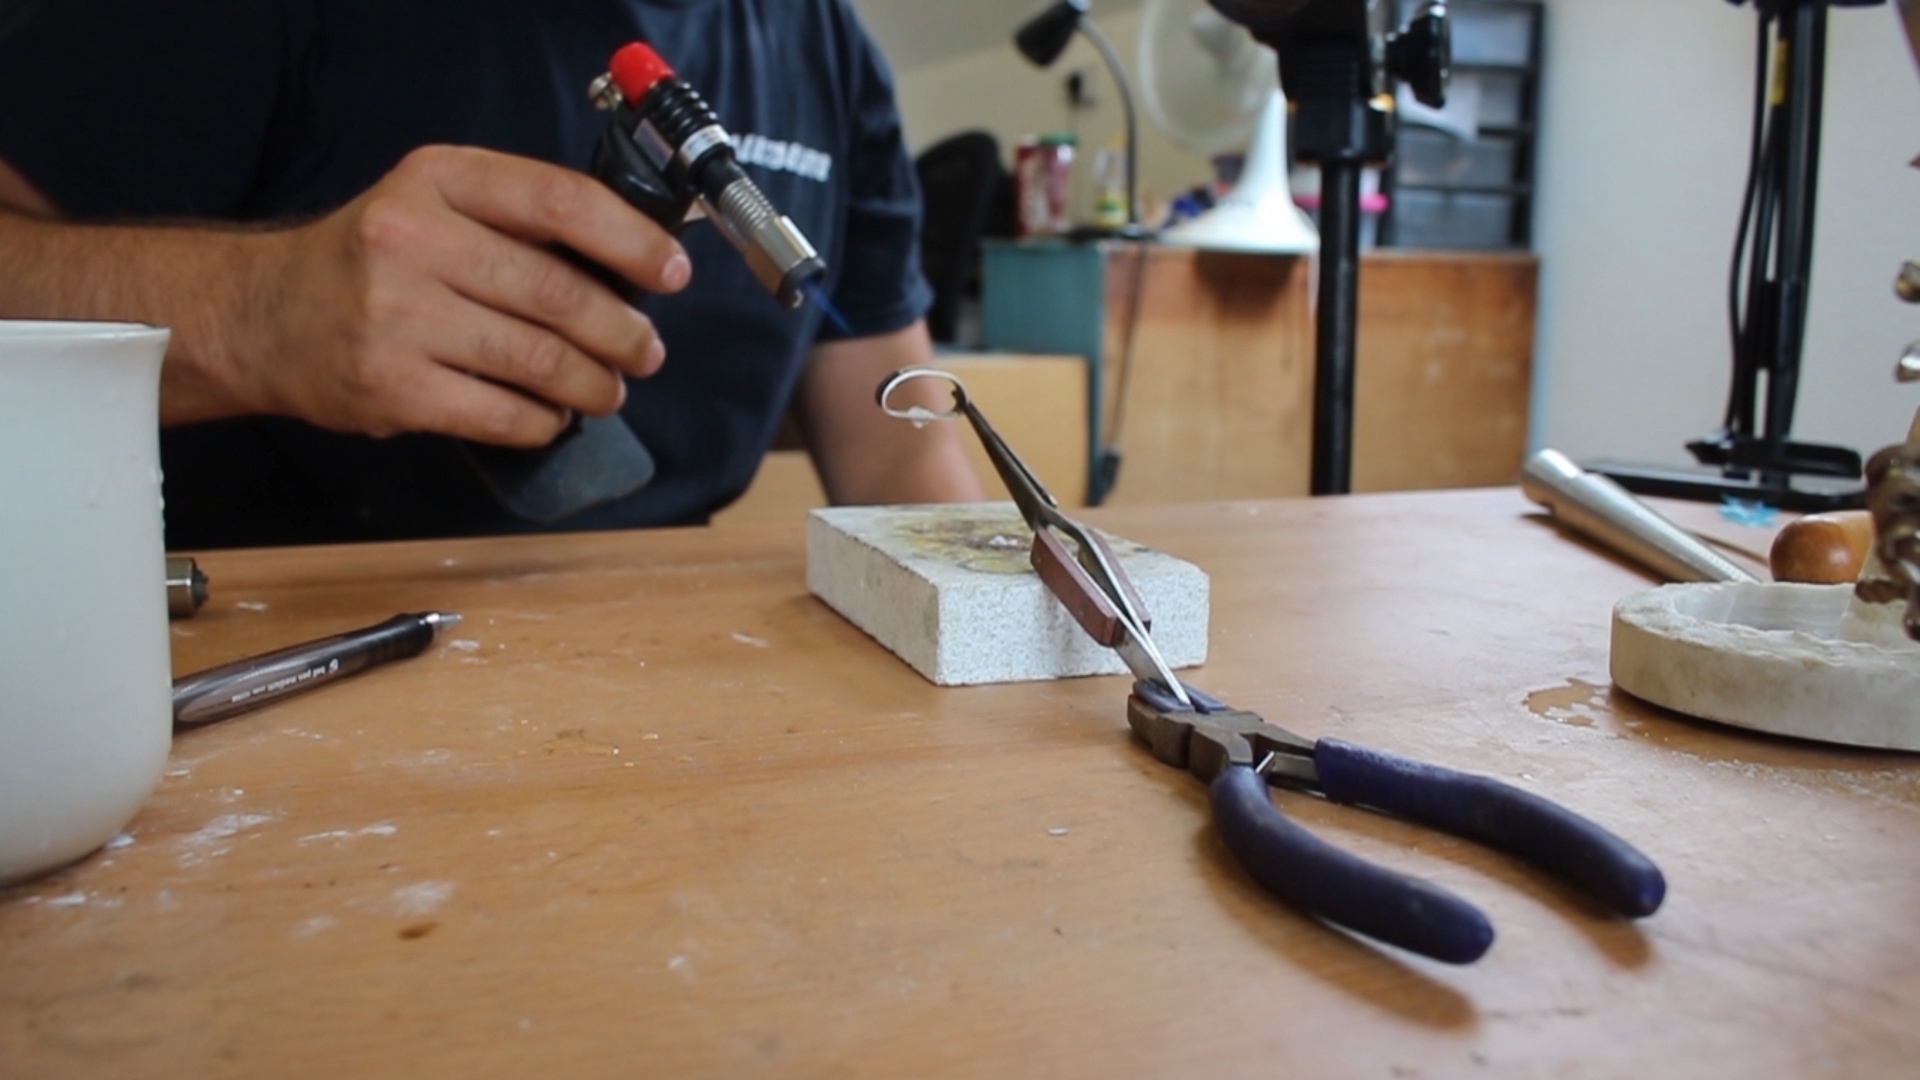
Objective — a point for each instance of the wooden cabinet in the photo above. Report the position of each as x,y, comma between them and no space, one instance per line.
1444,379
1218,401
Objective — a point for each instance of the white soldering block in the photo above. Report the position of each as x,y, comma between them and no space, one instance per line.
949,590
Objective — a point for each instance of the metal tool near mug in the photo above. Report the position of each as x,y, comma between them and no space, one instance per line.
667,154
186,587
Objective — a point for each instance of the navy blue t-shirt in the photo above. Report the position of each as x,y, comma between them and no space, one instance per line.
264,110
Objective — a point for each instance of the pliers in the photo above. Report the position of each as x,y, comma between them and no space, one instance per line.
1239,754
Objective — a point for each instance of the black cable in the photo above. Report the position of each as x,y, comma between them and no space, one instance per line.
1763,300
1106,471
1735,314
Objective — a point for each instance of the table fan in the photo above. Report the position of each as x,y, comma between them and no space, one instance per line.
1214,90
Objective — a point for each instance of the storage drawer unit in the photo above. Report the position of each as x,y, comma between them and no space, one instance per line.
1446,191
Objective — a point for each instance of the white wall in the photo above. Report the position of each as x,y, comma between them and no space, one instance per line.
1642,156
917,32
1641,161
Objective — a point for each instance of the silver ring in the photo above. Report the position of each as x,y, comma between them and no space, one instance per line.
920,414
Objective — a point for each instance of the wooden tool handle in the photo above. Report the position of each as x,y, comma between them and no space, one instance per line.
1067,580
1823,549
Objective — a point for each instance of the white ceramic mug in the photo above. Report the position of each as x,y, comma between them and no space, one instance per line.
85,674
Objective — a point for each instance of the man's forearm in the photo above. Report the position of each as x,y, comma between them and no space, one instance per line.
434,301
866,457
204,284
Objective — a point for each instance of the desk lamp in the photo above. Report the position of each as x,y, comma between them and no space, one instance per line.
1042,38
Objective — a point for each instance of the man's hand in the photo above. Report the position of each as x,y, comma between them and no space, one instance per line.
384,312
433,302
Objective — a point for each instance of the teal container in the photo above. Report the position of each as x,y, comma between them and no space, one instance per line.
1049,296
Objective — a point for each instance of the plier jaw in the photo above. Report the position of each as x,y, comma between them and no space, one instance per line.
1204,743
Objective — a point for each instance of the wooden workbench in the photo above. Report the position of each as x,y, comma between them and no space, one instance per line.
654,811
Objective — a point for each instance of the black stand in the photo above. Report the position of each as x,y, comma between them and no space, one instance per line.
1750,456
1336,327
1326,69
1329,72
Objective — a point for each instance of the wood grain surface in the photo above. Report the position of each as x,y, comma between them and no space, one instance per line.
654,811
1219,398
1443,379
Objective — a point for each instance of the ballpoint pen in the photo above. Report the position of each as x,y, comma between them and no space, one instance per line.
248,684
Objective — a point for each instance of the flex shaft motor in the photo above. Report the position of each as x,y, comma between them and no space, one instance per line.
668,155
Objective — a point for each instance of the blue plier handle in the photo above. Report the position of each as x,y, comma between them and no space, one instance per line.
1238,753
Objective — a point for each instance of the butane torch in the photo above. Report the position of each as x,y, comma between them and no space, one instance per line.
668,155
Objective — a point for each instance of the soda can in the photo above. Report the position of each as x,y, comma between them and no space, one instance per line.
1042,173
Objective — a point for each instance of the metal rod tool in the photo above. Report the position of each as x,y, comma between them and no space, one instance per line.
1614,517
